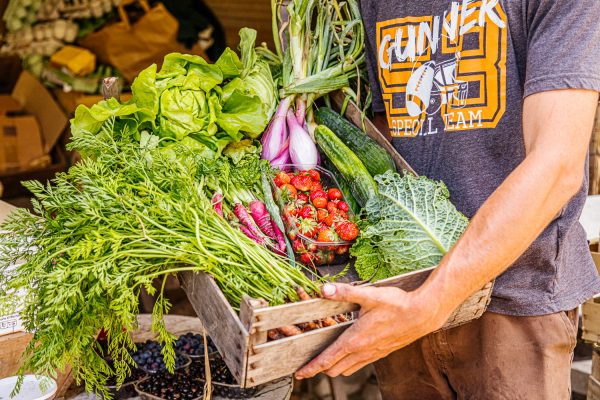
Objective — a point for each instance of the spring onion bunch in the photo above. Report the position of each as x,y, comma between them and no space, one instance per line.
319,48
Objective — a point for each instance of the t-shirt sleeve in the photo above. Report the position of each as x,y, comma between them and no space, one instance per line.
563,38
371,56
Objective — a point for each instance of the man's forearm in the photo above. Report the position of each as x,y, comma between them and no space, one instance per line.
516,213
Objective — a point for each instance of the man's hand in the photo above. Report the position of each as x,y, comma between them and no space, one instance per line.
390,319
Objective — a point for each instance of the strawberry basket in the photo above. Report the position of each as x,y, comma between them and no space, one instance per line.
305,232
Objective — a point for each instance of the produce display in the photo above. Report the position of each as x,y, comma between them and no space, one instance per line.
215,168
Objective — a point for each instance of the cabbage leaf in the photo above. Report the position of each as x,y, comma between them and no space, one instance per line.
409,225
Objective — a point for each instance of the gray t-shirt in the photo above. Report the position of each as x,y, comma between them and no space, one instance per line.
451,77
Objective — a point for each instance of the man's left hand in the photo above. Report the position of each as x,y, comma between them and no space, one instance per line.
390,319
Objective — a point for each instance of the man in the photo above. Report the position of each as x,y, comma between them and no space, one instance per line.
497,99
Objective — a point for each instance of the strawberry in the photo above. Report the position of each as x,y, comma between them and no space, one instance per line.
334,194
343,216
330,219
343,206
308,227
307,258
292,235
321,226
288,192
291,210
327,235
320,202
332,207
312,247
330,257
282,178
342,249
317,193
302,183
321,214
315,175
347,230
314,186
307,212
303,197
299,246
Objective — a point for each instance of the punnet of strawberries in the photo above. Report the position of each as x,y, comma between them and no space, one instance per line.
316,217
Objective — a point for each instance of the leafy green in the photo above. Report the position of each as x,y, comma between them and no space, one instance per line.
192,100
126,215
409,225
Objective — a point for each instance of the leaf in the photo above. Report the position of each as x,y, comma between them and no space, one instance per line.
229,63
409,225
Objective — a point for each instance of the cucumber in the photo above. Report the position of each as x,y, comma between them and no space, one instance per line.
374,157
362,185
344,186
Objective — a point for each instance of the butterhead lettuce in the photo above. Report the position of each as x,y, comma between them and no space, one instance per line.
206,106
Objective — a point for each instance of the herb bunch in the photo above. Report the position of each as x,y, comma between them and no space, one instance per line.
128,214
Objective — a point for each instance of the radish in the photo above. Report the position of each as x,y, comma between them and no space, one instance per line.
261,216
217,201
242,214
279,236
248,233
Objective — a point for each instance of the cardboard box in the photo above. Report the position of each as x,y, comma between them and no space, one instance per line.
77,60
31,122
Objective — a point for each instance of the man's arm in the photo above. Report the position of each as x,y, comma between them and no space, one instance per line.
557,128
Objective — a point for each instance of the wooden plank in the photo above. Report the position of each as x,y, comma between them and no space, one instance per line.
176,324
236,14
249,320
593,389
580,373
354,114
219,320
293,313
284,357
595,157
596,364
596,258
590,325
11,348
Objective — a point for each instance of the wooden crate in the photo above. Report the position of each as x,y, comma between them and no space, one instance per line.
590,320
242,339
593,390
595,157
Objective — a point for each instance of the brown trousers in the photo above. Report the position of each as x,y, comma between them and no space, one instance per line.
494,357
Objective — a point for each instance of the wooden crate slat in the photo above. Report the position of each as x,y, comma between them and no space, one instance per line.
471,309
591,321
595,156
218,318
289,314
596,364
289,354
278,316
593,389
